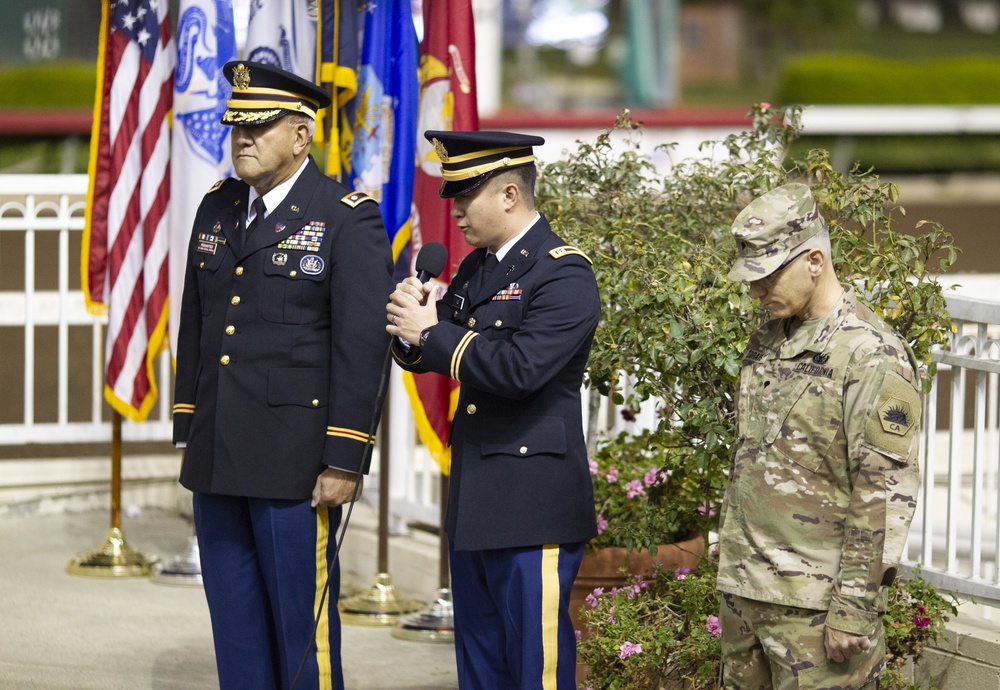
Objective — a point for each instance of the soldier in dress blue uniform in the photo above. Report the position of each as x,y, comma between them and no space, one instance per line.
515,329
278,366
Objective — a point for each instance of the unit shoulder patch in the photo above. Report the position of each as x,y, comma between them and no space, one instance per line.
355,198
895,418
568,250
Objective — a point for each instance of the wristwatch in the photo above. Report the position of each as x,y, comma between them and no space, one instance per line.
423,336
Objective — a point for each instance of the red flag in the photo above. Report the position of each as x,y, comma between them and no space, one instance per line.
124,257
447,102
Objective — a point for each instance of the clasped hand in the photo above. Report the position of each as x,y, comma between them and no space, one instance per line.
409,310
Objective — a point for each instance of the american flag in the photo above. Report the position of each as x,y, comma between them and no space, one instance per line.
125,272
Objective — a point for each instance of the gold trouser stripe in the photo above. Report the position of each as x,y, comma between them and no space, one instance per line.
456,357
550,615
322,573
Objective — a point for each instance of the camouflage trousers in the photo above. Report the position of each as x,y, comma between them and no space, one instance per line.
775,646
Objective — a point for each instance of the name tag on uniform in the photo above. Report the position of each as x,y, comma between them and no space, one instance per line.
208,244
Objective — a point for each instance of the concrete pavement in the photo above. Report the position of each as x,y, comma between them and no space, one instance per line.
64,632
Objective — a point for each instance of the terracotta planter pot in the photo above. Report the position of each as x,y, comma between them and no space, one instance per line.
601,569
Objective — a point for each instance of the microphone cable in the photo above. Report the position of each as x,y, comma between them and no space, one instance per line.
429,264
383,388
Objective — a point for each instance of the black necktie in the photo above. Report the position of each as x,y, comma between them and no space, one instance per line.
491,262
259,209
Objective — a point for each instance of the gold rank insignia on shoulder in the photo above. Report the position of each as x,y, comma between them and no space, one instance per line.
355,198
218,184
567,250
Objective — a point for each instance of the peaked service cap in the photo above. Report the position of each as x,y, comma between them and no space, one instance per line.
262,93
770,227
468,159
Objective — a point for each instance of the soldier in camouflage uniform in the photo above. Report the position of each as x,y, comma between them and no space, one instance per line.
824,473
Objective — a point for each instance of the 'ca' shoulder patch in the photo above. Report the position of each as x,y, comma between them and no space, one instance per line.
355,198
892,424
567,250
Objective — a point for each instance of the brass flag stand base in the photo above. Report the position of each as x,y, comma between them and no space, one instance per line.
433,624
182,569
114,558
380,605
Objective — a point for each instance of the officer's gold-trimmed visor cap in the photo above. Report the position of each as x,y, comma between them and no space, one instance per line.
262,93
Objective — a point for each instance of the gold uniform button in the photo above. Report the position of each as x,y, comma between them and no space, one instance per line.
524,449
201,265
224,360
471,322
315,403
497,323
230,330
471,409
239,270
291,274
235,300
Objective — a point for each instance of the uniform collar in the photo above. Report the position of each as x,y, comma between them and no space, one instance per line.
274,197
814,335
509,244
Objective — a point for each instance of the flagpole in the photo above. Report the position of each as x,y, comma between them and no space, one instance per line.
381,604
114,558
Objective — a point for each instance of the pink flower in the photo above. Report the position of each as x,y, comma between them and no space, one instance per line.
629,648
651,477
633,489
765,105
707,507
682,572
602,524
921,622
592,597
920,609
611,616
593,467
578,634
713,626
612,475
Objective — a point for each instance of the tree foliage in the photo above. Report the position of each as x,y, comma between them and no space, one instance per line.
674,327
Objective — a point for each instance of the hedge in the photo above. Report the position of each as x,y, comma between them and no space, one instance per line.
863,79
52,86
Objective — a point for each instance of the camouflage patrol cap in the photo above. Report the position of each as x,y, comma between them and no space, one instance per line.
770,227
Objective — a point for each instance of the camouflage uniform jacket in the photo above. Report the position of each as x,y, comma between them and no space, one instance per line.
824,474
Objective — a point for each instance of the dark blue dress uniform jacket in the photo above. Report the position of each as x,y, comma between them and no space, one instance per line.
518,345
281,344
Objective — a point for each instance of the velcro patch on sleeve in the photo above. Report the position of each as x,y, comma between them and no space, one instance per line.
567,250
895,418
355,198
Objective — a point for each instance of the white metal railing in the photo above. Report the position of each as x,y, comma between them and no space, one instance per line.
956,532
44,205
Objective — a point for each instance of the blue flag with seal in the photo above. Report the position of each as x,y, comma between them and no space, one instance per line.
385,127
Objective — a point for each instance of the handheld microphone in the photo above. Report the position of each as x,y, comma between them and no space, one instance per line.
430,261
